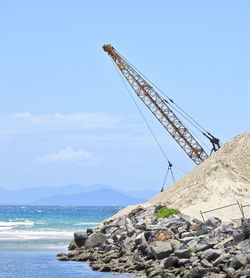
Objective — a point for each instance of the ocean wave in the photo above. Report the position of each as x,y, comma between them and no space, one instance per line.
5,228
35,235
16,223
41,223
87,223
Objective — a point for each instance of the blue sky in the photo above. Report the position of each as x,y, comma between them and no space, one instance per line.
65,115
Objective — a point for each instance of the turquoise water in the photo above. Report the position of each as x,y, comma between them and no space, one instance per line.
31,236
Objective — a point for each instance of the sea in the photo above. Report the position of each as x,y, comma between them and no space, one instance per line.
32,236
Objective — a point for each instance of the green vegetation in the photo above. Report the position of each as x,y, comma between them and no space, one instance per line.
166,212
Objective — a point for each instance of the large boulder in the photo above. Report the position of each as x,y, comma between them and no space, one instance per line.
95,240
197,272
160,249
199,244
169,262
164,235
183,253
109,229
129,227
239,261
206,264
213,222
72,246
222,259
140,239
245,248
80,238
241,233
211,254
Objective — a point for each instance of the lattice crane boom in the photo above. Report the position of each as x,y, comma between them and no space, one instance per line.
159,107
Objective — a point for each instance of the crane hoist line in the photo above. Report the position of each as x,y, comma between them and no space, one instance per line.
162,109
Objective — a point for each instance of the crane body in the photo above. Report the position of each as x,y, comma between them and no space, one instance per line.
159,107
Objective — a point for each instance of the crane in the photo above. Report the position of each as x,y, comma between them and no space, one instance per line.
160,107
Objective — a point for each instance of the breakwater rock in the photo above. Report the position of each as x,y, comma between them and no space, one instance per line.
178,246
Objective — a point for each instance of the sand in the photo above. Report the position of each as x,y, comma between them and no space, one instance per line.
223,179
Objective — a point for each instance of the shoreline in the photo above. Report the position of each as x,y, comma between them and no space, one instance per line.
140,244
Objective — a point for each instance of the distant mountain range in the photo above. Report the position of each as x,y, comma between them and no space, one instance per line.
74,195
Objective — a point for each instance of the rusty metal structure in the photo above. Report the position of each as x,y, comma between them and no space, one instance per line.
159,107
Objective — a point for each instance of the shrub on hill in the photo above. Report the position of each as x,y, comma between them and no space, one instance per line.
166,212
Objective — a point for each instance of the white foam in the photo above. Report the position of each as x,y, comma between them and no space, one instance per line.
5,228
35,235
16,223
87,223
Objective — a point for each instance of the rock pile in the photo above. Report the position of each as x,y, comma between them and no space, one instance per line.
177,246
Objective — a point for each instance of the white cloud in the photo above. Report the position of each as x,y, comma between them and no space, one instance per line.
67,155
91,131
22,123
24,115
88,120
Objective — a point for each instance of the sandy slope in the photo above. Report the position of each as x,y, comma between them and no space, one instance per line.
221,180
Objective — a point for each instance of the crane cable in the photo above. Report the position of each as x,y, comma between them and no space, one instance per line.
186,118
172,106
201,127
191,120
151,131
170,165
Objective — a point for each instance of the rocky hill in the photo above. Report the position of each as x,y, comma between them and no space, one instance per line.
221,180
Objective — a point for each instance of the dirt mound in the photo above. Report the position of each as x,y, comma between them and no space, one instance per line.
221,180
